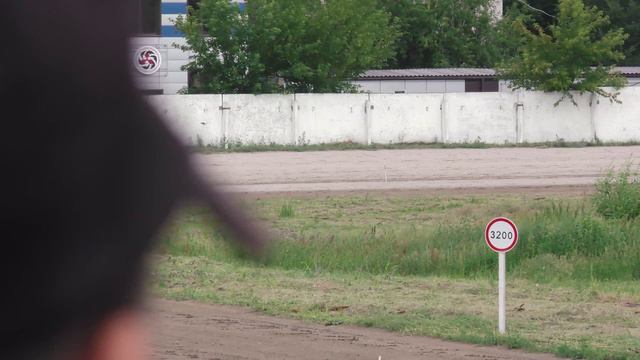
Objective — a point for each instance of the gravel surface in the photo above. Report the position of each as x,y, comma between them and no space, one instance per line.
426,170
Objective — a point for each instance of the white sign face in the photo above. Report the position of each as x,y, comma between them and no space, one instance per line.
501,234
147,60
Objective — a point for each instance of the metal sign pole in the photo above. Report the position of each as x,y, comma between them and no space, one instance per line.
501,234
501,292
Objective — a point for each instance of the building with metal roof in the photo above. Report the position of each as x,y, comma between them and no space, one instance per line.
448,80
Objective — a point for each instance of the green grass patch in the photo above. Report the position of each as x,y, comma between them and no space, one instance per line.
239,147
559,240
595,320
286,210
420,266
618,195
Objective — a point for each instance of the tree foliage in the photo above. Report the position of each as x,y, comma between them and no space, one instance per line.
285,45
545,12
217,35
624,13
445,33
572,55
621,13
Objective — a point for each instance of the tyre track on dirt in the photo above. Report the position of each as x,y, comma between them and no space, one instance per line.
189,330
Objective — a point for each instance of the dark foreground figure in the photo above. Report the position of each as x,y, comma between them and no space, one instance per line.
89,173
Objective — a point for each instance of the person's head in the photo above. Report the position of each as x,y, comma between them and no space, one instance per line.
89,174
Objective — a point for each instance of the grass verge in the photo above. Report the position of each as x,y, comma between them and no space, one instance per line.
239,147
593,320
420,266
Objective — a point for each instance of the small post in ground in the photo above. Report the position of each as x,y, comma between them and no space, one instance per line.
501,234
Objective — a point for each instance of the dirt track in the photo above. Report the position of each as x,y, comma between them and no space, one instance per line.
426,170
187,330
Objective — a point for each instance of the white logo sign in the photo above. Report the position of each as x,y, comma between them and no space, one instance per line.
147,60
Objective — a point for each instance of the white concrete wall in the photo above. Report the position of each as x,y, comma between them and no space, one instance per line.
405,119
196,119
480,117
615,122
258,119
495,118
328,118
544,120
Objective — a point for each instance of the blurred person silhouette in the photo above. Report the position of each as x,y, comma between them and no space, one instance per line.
89,173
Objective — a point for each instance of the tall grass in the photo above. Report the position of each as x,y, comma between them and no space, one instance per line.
561,241
584,240
286,210
618,195
558,243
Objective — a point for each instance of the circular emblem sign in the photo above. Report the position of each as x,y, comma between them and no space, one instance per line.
147,60
501,234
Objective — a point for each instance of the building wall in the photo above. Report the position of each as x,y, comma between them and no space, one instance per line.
394,86
409,86
170,78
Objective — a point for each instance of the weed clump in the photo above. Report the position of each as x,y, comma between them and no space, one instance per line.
286,210
617,195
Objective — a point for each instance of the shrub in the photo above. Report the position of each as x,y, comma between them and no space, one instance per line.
618,195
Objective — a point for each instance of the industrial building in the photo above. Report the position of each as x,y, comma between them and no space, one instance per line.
157,61
448,80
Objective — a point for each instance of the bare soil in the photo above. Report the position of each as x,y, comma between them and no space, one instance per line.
188,330
429,171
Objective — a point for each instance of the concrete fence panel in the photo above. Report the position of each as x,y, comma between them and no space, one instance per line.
330,118
546,119
618,122
196,119
479,117
405,119
258,119
494,118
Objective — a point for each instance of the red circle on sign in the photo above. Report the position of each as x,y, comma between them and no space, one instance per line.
515,234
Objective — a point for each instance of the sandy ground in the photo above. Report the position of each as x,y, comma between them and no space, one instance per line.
426,170
187,330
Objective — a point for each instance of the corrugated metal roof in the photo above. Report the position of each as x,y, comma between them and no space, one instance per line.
632,71
428,73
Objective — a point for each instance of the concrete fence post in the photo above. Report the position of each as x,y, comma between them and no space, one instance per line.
294,119
519,119
593,102
224,124
443,118
368,114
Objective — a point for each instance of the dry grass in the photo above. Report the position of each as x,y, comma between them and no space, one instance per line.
553,304
597,318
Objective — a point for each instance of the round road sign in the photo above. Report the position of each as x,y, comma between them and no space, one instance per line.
501,234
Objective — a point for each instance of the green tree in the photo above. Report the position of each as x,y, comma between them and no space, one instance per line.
572,55
217,34
442,33
542,12
621,13
624,13
285,45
